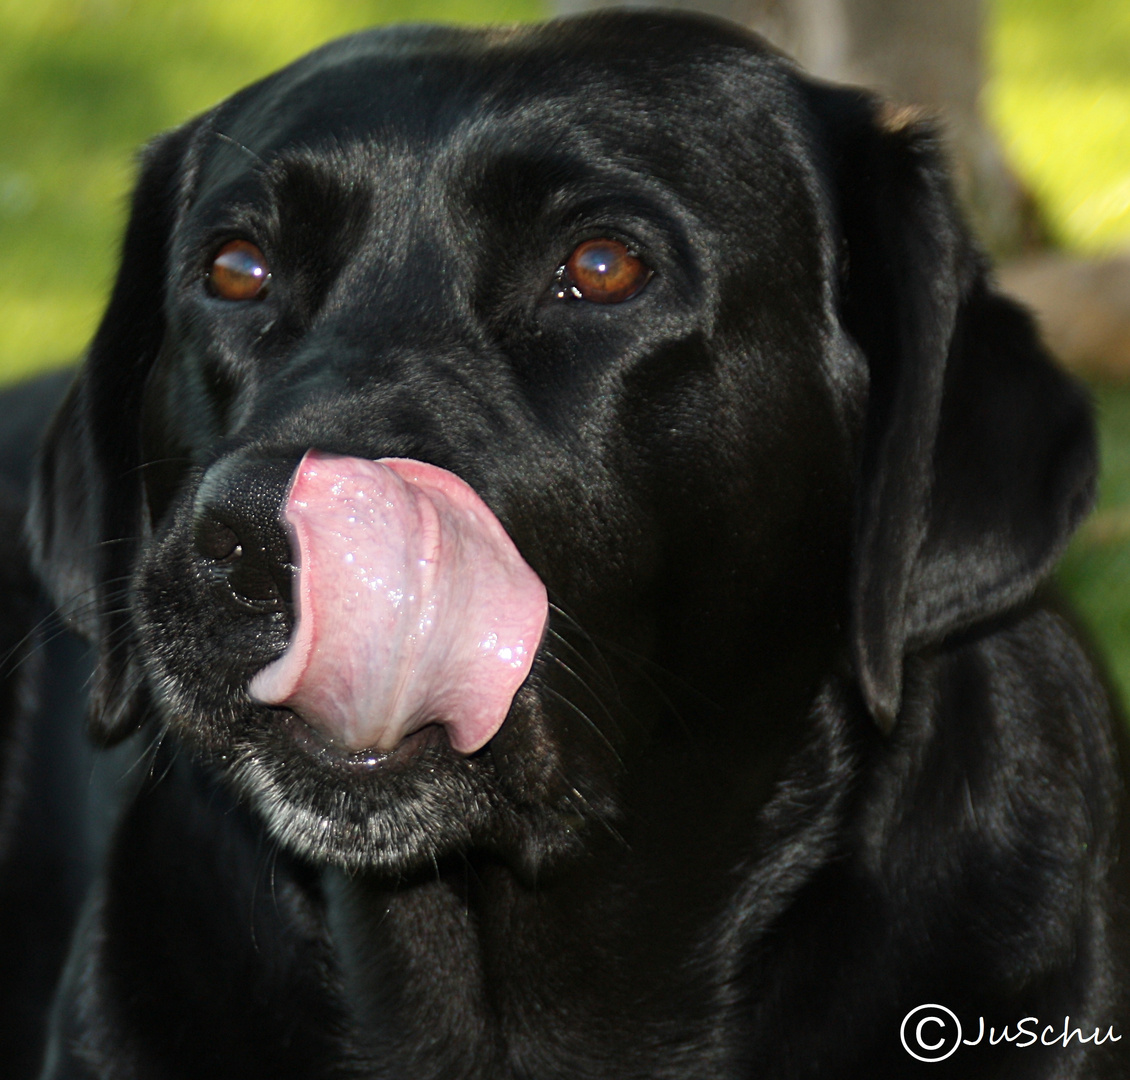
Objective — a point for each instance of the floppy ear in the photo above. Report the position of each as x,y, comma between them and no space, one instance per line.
978,457
86,515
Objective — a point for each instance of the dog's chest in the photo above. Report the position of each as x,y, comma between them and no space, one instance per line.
499,983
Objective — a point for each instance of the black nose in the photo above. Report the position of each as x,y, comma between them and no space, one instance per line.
238,530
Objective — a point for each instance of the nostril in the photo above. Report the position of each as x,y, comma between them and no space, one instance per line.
239,535
250,559
254,581
217,541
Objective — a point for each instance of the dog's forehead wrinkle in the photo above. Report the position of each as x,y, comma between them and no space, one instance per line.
453,94
423,406
401,231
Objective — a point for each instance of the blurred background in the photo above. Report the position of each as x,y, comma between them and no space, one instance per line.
1035,95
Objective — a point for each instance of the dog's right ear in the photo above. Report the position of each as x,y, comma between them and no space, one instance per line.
86,514
978,456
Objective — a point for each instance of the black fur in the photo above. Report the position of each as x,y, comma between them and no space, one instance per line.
803,747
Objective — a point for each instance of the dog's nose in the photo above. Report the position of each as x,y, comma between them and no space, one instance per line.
238,530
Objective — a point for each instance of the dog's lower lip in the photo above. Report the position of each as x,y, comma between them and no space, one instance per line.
325,750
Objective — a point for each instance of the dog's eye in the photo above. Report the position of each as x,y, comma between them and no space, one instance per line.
239,272
602,272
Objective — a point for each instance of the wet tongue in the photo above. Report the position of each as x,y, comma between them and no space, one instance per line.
413,606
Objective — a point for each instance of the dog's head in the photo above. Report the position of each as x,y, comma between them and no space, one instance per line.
687,362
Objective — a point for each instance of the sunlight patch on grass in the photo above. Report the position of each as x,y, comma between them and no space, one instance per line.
1059,96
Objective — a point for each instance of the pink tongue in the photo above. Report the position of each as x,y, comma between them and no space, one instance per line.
413,606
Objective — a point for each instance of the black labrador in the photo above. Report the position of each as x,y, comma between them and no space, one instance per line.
556,516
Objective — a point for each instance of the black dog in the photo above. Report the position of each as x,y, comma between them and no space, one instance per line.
642,675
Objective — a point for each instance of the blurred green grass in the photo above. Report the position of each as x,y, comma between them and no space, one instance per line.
1095,572
84,82
1059,96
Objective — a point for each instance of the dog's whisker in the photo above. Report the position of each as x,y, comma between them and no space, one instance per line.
267,850
561,612
606,711
42,640
648,669
152,463
109,591
575,798
588,720
239,146
35,641
581,657
147,754
113,541
643,667
171,755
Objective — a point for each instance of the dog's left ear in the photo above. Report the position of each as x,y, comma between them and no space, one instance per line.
86,515
978,457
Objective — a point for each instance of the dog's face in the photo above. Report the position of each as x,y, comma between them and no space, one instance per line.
683,322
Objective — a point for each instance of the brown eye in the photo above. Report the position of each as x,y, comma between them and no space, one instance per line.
603,272
239,271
